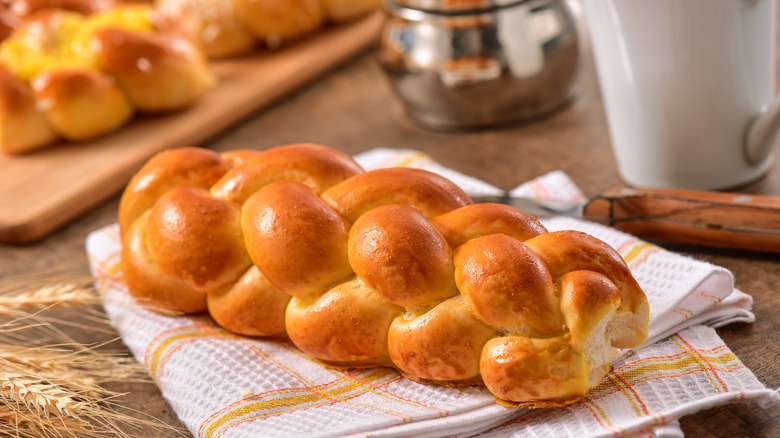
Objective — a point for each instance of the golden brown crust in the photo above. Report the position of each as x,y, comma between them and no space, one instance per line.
197,239
430,194
234,27
477,220
535,372
295,240
152,287
314,165
158,71
587,297
194,167
81,103
399,255
236,157
349,323
388,267
273,22
251,306
442,345
213,23
22,127
508,285
566,251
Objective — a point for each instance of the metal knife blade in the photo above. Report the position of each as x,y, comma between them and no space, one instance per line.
716,219
535,207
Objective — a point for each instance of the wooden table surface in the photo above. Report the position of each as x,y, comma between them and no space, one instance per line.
353,109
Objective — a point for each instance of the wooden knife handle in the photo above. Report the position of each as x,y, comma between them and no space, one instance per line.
720,219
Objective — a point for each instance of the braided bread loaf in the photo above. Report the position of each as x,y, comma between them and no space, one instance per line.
391,267
231,27
76,77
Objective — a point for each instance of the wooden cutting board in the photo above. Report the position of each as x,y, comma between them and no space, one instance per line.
44,190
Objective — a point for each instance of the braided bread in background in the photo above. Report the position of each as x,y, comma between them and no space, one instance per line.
81,72
79,69
391,267
228,28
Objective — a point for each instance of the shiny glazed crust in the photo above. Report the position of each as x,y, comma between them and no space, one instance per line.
392,267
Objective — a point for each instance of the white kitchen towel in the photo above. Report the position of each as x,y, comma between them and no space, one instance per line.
224,385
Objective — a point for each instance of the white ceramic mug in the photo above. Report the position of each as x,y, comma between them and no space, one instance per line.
688,88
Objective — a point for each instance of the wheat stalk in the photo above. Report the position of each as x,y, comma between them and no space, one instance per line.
55,389
68,293
27,304
15,421
47,397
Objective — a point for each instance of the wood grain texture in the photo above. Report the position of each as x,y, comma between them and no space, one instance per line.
726,220
43,190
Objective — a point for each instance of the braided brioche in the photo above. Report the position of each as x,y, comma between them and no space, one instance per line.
64,75
391,267
231,27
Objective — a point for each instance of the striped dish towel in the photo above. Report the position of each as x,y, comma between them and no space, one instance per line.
223,385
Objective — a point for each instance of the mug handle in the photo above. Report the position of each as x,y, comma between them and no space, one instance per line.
763,133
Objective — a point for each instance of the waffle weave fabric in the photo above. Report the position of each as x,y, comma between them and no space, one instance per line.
224,385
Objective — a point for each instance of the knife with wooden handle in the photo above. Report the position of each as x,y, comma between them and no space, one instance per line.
717,219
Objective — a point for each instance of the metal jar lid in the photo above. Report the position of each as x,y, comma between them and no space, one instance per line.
454,6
